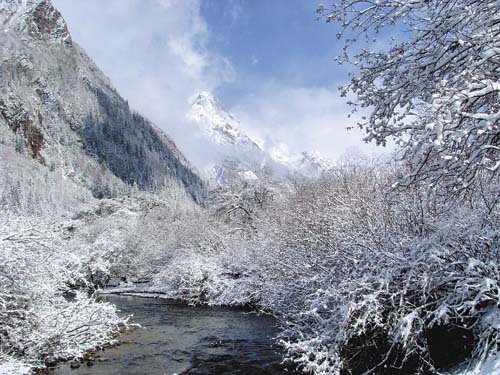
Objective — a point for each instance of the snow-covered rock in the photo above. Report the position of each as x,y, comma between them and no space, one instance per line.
221,126
11,366
36,18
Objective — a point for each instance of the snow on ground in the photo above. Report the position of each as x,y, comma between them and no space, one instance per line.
14,367
490,367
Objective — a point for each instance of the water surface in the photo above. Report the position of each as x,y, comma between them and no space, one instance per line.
177,339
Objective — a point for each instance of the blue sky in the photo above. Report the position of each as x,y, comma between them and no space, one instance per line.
269,61
279,40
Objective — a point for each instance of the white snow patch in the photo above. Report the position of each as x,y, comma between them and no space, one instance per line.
490,367
14,367
249,176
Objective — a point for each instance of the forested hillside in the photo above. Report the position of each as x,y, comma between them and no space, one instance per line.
58,108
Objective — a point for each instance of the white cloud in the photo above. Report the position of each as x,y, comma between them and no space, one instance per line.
306,119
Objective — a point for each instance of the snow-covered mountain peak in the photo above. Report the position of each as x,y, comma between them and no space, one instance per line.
209,101
215,121
310,164
36,18
238,156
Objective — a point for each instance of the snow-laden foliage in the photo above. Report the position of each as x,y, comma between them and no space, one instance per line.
381,309
167,246
367,280
26,187
428,72
362,278
42,317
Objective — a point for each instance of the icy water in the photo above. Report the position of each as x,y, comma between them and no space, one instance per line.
178,339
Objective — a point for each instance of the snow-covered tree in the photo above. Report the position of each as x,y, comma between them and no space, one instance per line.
428,71
39,324
368,280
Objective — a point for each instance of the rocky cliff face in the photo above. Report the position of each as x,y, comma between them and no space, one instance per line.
36,18
57,107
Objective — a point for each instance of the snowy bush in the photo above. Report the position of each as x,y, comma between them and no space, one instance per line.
42,318
383,313
207,262
202,280
366,280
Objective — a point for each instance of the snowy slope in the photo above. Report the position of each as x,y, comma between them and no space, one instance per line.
59,109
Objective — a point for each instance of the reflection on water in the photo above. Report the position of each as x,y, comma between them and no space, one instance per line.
188,340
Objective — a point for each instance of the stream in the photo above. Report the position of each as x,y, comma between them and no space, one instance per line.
178,339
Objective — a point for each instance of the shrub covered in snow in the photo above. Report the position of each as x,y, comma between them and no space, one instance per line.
370,280
427,71
42,319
